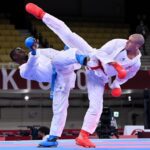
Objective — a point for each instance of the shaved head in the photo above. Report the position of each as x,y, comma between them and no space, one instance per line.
138,38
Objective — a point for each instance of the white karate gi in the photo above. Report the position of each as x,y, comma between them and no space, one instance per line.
39,68
96,79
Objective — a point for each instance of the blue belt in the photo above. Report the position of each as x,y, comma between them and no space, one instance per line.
54,75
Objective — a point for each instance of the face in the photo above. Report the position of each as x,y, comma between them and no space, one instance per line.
20,56
132,44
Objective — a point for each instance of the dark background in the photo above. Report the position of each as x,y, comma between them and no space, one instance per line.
124,11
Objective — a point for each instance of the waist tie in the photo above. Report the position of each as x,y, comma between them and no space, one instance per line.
54,75
99,66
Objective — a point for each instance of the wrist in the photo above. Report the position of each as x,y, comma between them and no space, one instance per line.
33,52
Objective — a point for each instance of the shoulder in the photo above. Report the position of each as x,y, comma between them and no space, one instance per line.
118,40
22,66
119,43
22,70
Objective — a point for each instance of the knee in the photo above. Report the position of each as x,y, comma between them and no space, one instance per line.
96,109
60,109
61,26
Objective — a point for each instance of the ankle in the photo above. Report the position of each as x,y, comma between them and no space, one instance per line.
42,14
52,138
84,133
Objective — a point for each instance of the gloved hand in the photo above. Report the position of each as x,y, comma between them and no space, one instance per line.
122,73
116,92
29,43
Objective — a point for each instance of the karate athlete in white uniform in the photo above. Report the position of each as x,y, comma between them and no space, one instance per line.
38,66
103,64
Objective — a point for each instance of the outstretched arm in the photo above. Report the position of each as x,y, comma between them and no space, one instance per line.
38,67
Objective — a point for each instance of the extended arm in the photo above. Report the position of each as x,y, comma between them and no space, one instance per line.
38,67
35,70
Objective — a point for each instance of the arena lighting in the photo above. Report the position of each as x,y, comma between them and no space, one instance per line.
127,91
129,98
116,114
26,97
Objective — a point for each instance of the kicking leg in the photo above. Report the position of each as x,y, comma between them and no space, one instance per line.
69,38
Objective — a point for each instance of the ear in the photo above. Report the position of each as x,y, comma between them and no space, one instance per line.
14,56
138,46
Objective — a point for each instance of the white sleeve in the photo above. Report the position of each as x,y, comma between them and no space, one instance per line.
26,70
48,52
131,72
33,70
112,45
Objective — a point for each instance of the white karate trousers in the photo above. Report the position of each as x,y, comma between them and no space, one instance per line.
95,84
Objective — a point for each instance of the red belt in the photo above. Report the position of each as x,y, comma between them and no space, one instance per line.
99,66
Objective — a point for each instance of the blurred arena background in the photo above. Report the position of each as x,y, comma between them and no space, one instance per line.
25,105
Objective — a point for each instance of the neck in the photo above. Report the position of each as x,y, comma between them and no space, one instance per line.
23,60
21,63
132,54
